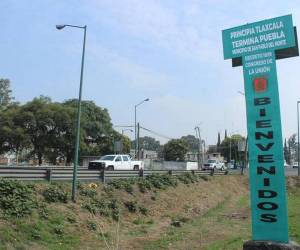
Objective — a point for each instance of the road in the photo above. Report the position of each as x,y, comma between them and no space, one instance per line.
289,171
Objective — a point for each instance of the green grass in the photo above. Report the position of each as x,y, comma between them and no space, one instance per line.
294,214
174,235
59,226
216,231
22,233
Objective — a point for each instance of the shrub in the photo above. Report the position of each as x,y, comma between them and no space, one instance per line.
92,226
204,177
138,221
124,184
108,189
89,192
143,210
150,222
15,198
131,206
35,234
144,185
104,207
55,194
43,211
187,178
71,219
162,181
178,221
59,229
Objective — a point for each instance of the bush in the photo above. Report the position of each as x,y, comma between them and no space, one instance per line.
16,198
124,184
89,192
71,219
187,178
108,189
178,221
104,207
59,229
92,226
162,181
143,210
132,206
55,194
204,177
43,211
144,185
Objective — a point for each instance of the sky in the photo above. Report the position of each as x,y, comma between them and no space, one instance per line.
169,51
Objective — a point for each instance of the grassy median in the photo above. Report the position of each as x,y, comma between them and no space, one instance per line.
163,212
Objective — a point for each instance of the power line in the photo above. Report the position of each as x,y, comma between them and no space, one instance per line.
123,126
156,133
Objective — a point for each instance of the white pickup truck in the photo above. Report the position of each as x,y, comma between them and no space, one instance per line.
116,162
213,164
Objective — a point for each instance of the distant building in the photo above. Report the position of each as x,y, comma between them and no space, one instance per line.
217,156
145,154
191,156
212,148
7,159
87,159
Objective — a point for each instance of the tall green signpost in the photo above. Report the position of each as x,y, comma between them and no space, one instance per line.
256,44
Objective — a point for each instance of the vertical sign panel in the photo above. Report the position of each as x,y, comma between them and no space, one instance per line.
256,44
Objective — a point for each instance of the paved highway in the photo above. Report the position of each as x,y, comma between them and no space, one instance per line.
289,171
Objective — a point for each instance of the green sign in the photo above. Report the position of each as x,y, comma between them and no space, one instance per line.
256,44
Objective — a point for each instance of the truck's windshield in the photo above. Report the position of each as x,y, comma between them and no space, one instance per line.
211,161
108,157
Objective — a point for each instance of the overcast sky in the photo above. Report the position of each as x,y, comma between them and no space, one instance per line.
169,51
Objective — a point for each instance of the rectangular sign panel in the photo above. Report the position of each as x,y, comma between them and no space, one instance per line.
271,34
267,180
256,44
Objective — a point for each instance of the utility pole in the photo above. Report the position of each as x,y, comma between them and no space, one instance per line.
135,128
245,162
230,150
138,141
298,156
200,157
203,150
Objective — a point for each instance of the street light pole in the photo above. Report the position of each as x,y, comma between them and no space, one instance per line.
77,142
230,134
200,154
298,156
135,130
126,129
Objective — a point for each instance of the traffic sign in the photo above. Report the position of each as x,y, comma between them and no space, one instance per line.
256,44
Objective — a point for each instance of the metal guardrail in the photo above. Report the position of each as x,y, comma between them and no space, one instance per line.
84,174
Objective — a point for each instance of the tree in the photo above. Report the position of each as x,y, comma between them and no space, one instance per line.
48,130
13,137
147,143
5,92
192,142
126,144
225,134
97,133
225,147
61,141
286,152
175,150
38,123
219,141
293,148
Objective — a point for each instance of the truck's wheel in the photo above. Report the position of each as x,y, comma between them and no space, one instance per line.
110,168
136,168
